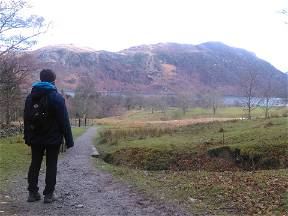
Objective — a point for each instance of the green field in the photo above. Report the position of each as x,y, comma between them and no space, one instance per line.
176,113
242,172
262,142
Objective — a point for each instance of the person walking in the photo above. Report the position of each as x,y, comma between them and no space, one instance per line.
46,123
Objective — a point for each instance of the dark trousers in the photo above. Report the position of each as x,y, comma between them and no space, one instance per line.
51,167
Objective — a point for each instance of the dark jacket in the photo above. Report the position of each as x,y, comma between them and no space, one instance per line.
58,120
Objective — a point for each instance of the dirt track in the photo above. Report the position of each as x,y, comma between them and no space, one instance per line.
84,190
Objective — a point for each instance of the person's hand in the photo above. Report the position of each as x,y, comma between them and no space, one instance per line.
69,149
69,145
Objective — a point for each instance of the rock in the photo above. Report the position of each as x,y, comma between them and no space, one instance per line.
79,206
192,199
95,153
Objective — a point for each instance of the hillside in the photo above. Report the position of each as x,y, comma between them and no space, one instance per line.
160,68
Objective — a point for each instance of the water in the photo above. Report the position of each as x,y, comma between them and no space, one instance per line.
236,100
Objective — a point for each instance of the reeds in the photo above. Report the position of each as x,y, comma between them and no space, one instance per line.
112,136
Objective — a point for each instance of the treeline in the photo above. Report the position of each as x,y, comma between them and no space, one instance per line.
88,103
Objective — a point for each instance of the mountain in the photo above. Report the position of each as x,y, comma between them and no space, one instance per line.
159,68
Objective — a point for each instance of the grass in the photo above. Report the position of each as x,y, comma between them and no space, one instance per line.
216,193
15,157
78,131
253,139
193,166
176,113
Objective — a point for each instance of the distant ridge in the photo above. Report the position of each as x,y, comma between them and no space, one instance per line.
159,68
70,47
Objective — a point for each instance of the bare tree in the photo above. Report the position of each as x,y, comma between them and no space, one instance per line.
268,93
184,100
156,102
250,87
17,31
284,101
212,99
85,96
12,74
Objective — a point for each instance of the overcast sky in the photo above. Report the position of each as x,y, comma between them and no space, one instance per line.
113,25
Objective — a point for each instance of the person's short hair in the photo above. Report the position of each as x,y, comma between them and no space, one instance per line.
47,75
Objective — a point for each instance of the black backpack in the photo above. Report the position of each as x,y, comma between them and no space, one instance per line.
38,115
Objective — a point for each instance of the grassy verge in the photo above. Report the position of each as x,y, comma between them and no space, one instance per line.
15,157
78,131
217,193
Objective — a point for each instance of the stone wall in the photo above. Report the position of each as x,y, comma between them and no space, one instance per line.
10,131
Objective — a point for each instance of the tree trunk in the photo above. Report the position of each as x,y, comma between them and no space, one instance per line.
267,108
8,109
184,110
214,109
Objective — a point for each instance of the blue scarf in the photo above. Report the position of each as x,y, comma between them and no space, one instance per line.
44,85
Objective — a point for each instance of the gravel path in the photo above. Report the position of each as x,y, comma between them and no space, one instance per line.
84,190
